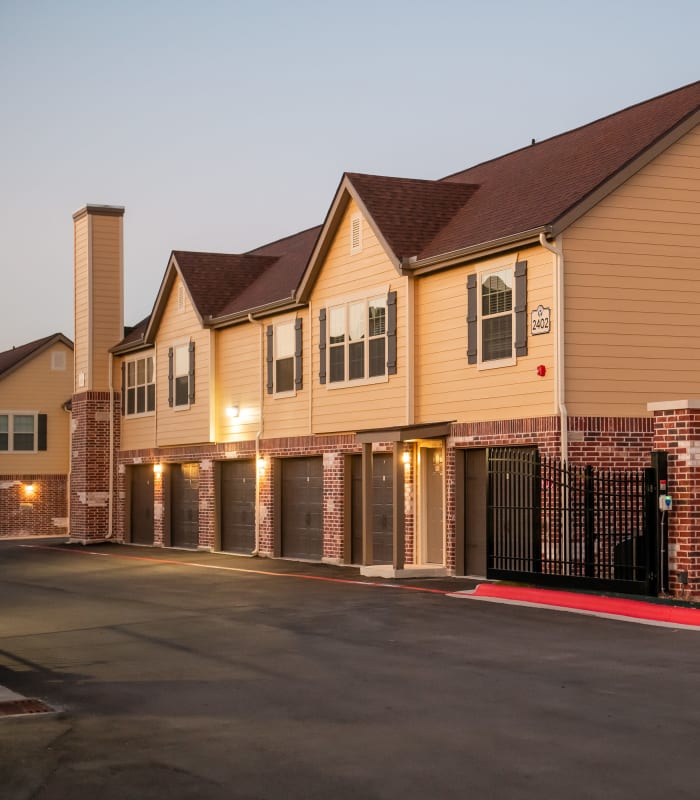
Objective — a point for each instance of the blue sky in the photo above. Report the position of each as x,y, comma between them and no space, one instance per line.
224,125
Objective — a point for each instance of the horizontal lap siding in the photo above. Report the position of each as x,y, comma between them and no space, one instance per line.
342,276
633,288
447,388
35,387
107,328
238,363
191,425
81,297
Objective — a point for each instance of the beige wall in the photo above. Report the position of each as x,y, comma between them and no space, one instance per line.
343,277
447,388
137,432
633,289
238,361
36,388
81,288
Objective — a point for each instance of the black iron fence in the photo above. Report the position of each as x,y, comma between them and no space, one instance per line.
555,523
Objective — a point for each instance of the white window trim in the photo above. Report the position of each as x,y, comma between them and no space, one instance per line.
186,344
10,431
291,392
482,365
136,414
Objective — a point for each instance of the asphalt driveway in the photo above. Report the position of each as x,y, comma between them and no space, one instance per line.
180,681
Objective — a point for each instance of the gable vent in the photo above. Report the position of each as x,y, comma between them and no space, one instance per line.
180,298
356,233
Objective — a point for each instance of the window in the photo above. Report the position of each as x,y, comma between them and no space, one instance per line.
497,316
139,387
284,357
22,432
361,340
58,360
181,375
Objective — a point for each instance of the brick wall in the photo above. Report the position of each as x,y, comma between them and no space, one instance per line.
40,511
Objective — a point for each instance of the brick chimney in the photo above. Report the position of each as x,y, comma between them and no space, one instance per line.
99,325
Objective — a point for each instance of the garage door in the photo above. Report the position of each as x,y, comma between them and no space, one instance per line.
382,509
302,508
141,512
184,506
238,506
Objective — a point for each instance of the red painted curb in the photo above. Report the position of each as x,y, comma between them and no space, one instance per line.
617,606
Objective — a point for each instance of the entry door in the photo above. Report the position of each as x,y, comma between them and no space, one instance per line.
302,508
184,505
141,512
382,509
238,506
475,497
432,504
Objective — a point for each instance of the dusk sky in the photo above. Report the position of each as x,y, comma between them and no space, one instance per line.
221,126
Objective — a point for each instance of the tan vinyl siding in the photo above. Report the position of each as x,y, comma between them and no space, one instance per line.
447,387
36,388
238,364
633,289
107,315
187,425
344,276
137,432
82,298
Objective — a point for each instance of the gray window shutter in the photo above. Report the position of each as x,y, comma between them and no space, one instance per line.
123,387
41,432
298,354
269,359
472,332
191,373
170,376
391,333
521,308
322,345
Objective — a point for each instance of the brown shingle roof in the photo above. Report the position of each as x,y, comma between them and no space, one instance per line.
10,359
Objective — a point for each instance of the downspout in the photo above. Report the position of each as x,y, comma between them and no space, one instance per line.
560,395
258,435
110,512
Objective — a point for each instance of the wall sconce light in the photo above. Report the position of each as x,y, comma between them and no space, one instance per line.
29,489
232,411
406,457
158,469
262,465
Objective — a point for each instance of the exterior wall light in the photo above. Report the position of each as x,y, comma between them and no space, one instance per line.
232,411
158,469
29,489
262,465
406,457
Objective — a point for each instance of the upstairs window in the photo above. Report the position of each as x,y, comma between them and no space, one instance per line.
181,375
22,432
497,315
360,340
284,357
139,387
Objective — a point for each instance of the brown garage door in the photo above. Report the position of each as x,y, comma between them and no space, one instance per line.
184,506
238,506
141,511
382,509
302,507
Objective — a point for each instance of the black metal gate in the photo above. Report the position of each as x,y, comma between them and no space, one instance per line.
558,524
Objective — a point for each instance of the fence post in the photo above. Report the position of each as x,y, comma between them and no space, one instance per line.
589,523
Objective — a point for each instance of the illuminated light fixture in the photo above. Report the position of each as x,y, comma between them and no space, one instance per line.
29,489
262,464
406,457
158,469
232,411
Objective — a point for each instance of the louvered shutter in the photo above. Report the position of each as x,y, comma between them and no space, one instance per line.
391,367
322,345
521,308
472,331
170,376
191,373
41,432
123,388
269,358
298,354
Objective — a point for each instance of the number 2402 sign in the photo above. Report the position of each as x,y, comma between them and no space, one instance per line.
539,321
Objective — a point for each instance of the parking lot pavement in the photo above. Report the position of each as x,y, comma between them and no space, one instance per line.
201,675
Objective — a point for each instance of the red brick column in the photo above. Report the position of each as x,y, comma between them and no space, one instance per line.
333,507
89,481
266,505
677,431
207,504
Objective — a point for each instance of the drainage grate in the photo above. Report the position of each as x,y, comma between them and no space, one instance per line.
15,707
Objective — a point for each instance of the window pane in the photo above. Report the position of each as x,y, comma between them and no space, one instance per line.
377,359
23,441
336,366
4,438
131,401
377,316
3,423
151,397
182,360
131,374
149,369
284,340
24,423
356,359
497,338
356,313
497,292
4,441
337,325
284,375
140,399
182,387
141,371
